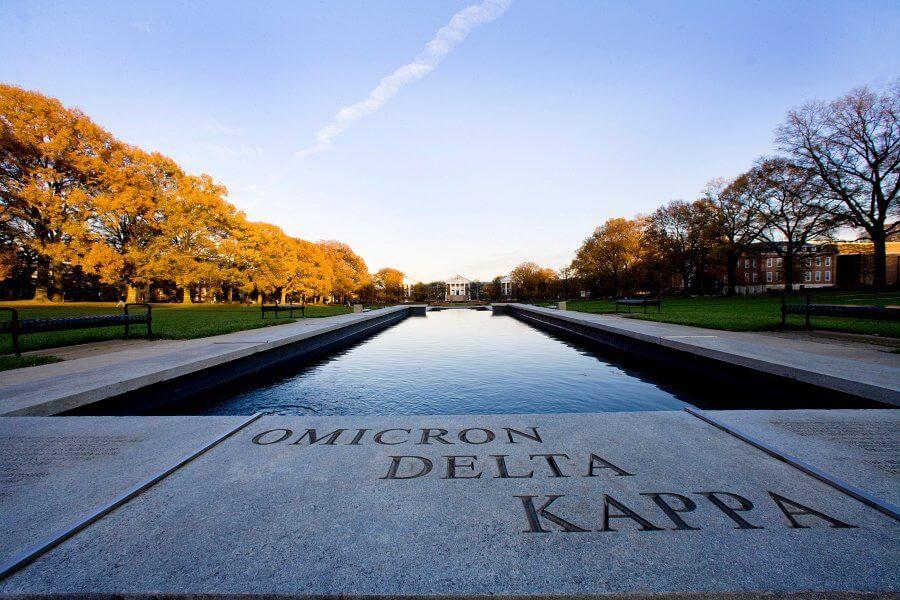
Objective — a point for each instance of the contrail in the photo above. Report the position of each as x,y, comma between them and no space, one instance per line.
434,52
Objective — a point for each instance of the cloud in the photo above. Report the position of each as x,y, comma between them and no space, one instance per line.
446,39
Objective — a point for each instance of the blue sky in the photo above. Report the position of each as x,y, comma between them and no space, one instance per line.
532,131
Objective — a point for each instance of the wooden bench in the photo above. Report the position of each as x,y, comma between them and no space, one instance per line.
289,308
16,326
645,302
849,311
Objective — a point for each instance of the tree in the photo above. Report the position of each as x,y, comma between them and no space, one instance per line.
533,282
51,159
793,210
349,270
739,222
121,222
607,256
192,221
853,146
311,273
268,258
389,283
685,234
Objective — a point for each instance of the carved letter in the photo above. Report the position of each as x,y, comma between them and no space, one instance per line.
597,462
488,435
428,435
257,439
624,513
452,465
380,435
504,473
359,435
330,438
395,467
534,516
510,431
551,462
731,512
793,509
687,505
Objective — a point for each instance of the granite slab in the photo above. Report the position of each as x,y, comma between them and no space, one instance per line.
861,447
56,471
507,505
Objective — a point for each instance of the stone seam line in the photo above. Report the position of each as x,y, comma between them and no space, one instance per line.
28,556
830,480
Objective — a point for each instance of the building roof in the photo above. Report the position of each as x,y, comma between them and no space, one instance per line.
458,279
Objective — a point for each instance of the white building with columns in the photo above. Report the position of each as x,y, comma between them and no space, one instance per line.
458,289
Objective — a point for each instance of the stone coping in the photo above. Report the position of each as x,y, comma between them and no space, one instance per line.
818,365
581,505
54,388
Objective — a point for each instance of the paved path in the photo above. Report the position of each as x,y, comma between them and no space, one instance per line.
860,369
57,387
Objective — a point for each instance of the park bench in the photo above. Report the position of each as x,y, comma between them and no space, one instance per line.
645,302
849,311
16,326
288,308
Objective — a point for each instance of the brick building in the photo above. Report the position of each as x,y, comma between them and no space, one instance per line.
818,265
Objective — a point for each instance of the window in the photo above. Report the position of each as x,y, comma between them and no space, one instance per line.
808,276
769,276
827,275
818,275
754,277
754,263
818,261
746,277
827,261
769,262
808,261
778,261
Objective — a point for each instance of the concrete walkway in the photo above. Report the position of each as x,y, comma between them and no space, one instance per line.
864,370
58,387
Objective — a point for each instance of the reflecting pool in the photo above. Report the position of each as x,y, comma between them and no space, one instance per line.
450,362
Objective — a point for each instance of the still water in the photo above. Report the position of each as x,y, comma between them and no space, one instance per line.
450,362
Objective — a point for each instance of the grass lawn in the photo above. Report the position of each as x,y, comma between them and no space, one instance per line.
757,313
172,321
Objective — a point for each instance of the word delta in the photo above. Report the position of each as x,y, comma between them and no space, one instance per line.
396,436
670,513
466,466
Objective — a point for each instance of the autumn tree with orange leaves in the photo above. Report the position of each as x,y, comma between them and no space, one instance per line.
72,196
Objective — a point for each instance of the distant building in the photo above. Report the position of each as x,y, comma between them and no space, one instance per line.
458,289
408,285
506,287
819,265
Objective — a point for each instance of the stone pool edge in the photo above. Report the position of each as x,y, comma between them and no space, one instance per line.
649,339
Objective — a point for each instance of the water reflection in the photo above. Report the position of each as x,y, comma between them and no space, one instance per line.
451,362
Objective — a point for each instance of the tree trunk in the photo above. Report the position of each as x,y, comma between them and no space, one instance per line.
732,262
130,293
58,293
230,295
879,275
283,295
789,272
42,282
186,295
259,297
